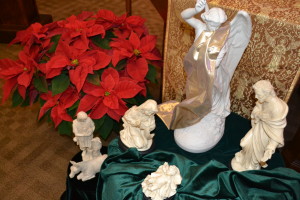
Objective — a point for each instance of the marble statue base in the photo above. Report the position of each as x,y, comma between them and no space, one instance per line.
201,136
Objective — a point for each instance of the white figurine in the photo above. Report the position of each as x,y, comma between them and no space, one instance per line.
92,159
266,134
83,128
87,169
139,121
199,120
162,183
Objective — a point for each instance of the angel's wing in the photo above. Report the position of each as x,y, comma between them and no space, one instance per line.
238,39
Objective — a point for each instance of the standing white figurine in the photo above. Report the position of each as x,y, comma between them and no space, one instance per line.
83,128
266,134
199,120
92,159
139,121
163,183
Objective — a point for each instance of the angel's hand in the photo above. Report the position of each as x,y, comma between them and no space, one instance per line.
200,5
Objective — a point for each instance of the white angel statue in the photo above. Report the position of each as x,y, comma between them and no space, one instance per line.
162,183
199,120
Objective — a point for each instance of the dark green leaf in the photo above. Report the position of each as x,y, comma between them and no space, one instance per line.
42,101
121,64
16,99
106,127
103,42
151,75
98,123
117,126
131,101
60,84
43,61
40,84
26,102
65,128
54,40
93,78
74,106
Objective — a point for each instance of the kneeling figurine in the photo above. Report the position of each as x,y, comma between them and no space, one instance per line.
139,121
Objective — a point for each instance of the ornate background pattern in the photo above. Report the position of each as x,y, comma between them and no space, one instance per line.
273,52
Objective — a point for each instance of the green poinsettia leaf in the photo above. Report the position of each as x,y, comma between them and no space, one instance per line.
26,102
106,127
117,126
93,78
98,123
121,64
74,106
54,41
16,99
131,101
65,128
40,84
103,42
60,83
151,75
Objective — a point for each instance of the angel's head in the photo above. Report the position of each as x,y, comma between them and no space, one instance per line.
213,18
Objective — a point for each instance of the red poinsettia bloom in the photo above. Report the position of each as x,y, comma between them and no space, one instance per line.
107,98
138,51
132,24
79,63
77,31
108,19
59,103
17,73
34,34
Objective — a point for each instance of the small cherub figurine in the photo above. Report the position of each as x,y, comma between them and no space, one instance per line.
162,183
139,121
266,134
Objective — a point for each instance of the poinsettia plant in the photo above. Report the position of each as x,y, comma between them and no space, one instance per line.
99,63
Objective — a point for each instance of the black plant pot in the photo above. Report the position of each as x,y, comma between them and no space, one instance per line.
148,198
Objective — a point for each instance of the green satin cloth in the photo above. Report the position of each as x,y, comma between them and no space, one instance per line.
123,173
205,176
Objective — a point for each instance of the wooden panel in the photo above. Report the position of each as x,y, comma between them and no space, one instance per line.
16,15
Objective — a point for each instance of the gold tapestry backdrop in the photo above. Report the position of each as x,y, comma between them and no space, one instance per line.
273,52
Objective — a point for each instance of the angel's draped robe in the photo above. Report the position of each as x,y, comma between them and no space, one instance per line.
205,84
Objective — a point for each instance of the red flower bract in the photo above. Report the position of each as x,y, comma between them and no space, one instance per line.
79,63
17,73
107,98
137,51
97,63
59,103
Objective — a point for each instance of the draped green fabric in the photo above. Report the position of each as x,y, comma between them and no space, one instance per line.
205,176
124,172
